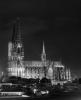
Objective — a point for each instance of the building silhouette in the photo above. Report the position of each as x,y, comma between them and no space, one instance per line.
17,66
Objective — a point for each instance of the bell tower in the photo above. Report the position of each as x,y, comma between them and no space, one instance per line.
16,52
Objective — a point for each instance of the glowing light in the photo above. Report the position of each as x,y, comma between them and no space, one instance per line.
19,45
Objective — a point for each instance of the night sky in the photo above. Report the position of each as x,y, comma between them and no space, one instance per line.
56,22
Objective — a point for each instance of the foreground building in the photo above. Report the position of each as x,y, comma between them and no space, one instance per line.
32,69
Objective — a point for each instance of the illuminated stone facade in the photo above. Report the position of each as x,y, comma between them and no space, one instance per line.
32,69
35,69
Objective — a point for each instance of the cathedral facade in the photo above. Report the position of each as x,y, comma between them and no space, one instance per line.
32,69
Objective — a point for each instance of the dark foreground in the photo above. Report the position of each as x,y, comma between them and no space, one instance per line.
52,98
74,96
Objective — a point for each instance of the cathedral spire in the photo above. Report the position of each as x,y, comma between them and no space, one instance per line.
16,31
17,41
43,48
43,55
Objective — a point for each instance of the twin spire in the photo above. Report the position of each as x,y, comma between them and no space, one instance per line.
17,38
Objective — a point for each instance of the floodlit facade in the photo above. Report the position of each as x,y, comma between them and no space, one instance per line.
53,70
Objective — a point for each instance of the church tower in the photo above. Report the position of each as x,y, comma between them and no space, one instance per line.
16,52
43,55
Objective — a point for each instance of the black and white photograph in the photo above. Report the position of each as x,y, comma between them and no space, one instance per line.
40,49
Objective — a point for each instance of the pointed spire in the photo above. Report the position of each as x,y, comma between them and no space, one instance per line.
16,37
18,30
17,40
14,33
43,55
43,48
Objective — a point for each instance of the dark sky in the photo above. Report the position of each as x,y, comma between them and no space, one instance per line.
57,22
